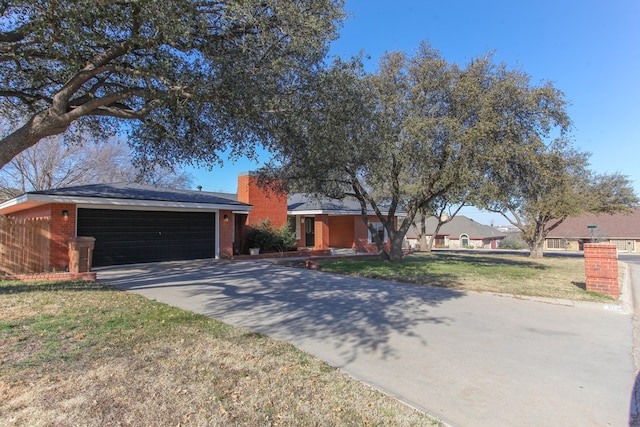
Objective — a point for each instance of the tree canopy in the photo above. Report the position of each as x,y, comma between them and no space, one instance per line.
396,140
184,79
537,193
421,133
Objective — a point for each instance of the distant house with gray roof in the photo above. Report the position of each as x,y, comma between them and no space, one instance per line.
460,232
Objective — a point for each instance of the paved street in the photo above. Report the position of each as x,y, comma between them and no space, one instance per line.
472,359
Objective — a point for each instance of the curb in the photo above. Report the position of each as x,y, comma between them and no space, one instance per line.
634,301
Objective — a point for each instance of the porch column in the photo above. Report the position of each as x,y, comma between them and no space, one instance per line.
322,231
62,228
225,237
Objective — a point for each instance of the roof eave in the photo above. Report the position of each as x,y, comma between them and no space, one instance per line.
31,200
311,212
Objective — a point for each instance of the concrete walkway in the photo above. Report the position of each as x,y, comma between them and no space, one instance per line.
472,359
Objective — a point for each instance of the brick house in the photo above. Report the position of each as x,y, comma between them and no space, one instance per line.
135,223
132,223
621,229
320,223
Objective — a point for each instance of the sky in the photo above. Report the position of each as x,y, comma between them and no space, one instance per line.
588,49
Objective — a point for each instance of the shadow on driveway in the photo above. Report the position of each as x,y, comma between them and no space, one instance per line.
352,314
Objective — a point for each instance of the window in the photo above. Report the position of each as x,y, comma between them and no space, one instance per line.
555,243
464,241
380,230
624,245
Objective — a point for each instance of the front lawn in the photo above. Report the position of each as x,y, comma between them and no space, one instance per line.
553,277
81,353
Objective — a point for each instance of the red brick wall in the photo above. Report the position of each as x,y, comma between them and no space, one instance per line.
61,230
226,234
342,231
321,232
266,203
601,268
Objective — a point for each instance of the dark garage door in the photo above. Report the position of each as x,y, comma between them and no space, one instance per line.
128,237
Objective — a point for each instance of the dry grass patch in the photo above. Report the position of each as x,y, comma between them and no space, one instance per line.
86,354
552,277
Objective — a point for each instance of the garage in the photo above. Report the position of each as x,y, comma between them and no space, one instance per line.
131,223
134,236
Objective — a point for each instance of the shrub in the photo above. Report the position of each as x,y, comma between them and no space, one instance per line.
511,243
270,239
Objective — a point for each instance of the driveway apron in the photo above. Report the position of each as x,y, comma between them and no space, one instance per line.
472,359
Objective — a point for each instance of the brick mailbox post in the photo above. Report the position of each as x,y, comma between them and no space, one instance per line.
81,254
601,268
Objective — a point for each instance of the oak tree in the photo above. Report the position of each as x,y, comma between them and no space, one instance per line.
394,140
537,193
183,79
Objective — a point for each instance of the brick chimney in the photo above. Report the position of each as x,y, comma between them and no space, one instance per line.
267,203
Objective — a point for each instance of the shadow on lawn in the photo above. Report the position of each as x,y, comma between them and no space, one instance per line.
484,260
580,285
349,314
14,287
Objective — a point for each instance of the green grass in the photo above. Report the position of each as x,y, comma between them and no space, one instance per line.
511,274
81,353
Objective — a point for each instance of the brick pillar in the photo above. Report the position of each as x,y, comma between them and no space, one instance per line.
61,229
322,231
226,234
601,268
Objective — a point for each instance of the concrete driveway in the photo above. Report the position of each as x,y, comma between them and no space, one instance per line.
472,359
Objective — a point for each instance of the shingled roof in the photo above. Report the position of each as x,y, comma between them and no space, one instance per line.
616,226
124,194
459,225
310,204
142,192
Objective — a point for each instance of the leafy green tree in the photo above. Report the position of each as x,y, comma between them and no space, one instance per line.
395,140
536,194
537,179
184,79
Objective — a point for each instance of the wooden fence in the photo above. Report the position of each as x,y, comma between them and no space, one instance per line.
24,246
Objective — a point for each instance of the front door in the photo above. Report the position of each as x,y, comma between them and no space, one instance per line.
309,231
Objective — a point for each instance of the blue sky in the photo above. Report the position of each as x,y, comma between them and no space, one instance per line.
589,49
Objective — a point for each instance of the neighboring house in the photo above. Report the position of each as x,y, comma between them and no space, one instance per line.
460,232
135,223
621,229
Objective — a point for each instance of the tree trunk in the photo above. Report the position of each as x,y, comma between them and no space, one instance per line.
425,243
39,126
536,251
535,240
435,233
395,248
